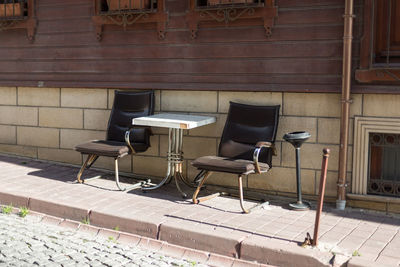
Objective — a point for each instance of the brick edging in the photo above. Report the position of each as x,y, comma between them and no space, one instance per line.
162,234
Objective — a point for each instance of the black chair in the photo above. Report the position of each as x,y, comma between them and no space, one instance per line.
246,147
122,138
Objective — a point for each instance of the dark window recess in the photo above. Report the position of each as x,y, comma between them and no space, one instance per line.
214,13
384,167
125,13
18,14
380,45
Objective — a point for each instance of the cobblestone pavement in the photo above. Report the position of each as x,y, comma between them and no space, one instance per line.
29,242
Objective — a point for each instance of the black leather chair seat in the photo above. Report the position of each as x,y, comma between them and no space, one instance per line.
103,148
222,164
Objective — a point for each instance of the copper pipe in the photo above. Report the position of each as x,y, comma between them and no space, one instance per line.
346,86
322,183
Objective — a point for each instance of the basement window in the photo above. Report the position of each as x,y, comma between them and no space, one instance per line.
384,168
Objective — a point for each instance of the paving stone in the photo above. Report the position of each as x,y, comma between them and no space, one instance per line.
31,243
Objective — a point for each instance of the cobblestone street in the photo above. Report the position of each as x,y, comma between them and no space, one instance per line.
29,242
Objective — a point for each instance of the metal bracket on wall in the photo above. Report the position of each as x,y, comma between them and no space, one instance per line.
126,18
22,16
225,14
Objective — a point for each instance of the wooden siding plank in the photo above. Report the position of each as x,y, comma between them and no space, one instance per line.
303,53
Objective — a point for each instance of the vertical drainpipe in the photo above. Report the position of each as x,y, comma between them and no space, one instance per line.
344,119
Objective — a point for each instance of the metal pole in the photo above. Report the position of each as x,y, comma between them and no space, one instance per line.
298,176
344,119
322,183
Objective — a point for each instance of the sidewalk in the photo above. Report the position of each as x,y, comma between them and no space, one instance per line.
269,235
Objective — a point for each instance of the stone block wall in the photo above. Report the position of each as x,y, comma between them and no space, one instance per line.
46,123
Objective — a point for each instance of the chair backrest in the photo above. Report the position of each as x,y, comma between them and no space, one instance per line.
245,126
128,105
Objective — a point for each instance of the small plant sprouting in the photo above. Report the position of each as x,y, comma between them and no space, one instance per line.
193,263
111,239
356,253
23,211
116,228
86,221
6,209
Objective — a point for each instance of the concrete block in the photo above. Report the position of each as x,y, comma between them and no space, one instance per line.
61,117
13,200
189,101
18,115
84,98
280,253
367,204
60,155
211,130
61,210
26,151
328,130
393,207
193,147
124,164
382,105
96,119
289,124
142,225
283,180
8,95
34,96
153,166
311,156
205,238
8,134
251,98
41,137
69,138
311,104
331,183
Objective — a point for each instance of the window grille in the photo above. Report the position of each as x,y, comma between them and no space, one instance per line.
380,43
128,12
229,11
18,14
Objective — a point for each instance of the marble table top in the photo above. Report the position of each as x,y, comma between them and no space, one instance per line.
177,121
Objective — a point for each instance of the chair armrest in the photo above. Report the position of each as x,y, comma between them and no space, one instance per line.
260,145
128,135
127,139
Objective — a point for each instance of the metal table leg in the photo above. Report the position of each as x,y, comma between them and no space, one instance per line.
175,162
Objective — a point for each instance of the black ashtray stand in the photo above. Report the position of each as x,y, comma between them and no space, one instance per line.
297,139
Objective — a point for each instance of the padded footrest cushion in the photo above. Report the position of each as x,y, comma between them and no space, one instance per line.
222,164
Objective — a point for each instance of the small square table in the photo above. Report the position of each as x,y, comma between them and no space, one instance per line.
176,123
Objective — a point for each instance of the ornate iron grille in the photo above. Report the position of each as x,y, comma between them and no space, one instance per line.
212,4
384,167
129,12
230,11
11,10
115,7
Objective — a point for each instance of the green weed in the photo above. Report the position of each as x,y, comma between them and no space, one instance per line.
23,211
6,209
356,253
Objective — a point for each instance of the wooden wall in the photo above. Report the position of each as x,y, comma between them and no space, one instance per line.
304,52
